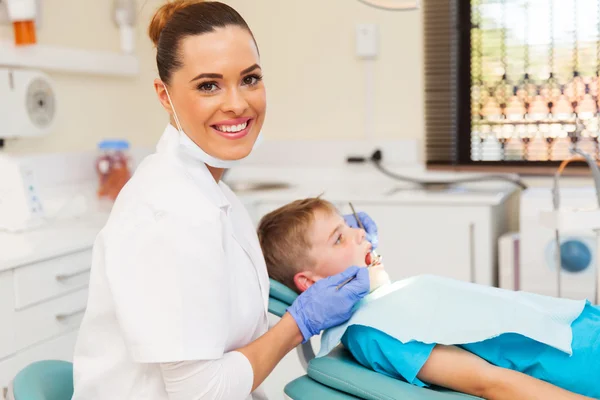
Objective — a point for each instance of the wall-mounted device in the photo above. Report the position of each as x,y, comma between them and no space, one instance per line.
27,103
20,205
124,17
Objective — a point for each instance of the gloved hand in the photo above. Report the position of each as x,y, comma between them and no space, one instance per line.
368,223
322,305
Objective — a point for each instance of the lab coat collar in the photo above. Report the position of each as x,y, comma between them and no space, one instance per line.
187,152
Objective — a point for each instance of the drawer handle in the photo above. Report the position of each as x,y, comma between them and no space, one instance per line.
64,317
66,277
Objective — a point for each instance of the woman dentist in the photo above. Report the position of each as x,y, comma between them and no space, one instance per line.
178,291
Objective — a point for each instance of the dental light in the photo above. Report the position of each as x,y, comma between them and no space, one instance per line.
393,4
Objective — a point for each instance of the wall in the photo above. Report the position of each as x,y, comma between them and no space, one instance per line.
315,83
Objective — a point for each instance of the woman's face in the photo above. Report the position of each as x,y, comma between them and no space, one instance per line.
218,93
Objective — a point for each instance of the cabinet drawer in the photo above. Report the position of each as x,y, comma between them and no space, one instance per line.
7,311
47,279
58,348
49,319
8,370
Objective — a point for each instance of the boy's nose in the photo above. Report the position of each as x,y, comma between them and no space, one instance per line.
361,236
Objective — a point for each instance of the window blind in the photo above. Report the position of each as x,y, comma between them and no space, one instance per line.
442,36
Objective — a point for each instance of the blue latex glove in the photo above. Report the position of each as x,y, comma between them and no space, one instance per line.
323,306
368,223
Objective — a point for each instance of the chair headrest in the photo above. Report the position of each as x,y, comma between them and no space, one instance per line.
282,292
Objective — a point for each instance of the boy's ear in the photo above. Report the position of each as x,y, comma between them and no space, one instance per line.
304,280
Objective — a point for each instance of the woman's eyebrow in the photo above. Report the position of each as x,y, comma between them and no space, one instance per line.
250,68
213,75
207,75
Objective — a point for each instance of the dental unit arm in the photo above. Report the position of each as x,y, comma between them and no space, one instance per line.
576,219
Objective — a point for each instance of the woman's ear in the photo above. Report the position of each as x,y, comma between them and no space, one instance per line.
304,280
161,92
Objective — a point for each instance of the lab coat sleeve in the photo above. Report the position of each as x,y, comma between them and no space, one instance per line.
166,275
228,378
387,355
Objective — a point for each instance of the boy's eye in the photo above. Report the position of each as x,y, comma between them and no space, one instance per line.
339,239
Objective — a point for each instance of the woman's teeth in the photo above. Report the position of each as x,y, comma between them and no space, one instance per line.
231,128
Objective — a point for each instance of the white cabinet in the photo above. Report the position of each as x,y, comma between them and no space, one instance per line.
49,319
50,278
41,307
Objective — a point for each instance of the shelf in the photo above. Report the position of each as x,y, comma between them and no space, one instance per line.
64,59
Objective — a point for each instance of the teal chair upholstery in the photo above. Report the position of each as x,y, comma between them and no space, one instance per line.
339,376
44,380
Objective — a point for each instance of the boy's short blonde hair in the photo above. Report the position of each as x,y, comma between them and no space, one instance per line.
283,236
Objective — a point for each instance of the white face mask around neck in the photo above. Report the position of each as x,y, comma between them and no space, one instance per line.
204,156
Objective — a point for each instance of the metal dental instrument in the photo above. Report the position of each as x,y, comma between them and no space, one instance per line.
361,226
375,259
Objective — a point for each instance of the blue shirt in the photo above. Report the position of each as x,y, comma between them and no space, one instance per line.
579,373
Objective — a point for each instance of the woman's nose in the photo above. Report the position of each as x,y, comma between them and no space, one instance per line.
235,102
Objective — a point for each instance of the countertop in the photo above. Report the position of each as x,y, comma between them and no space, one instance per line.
364,184
360,184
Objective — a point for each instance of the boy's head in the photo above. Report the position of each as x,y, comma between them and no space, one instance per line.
308,240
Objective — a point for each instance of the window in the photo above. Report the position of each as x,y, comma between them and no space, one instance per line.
511,82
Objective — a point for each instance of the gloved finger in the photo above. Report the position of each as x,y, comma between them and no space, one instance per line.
342,276
368,223
374,240
361,285
351,220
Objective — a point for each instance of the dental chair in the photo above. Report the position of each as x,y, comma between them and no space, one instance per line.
338,376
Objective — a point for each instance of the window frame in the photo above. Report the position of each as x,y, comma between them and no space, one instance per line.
461,60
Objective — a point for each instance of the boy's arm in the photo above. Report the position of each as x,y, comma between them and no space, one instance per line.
457,369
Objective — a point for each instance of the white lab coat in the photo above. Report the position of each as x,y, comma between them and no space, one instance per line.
177,275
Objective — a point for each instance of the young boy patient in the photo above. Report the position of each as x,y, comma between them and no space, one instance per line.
308,240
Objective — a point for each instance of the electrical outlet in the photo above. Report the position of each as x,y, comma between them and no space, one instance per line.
367,41
4,20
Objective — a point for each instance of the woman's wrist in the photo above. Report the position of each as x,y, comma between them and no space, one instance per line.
292,326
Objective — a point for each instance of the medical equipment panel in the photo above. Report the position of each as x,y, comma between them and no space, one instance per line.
21,207
536,271
27,102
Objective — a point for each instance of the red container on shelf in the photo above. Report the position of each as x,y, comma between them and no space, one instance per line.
112,167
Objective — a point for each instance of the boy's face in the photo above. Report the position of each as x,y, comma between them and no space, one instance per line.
335,246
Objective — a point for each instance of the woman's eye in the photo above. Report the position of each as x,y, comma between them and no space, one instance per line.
207,87
252,80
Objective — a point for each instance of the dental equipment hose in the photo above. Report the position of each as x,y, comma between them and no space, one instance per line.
377,157
595,170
